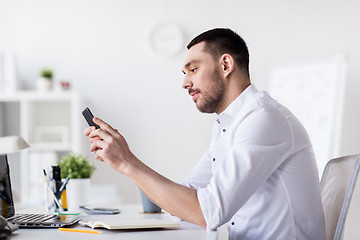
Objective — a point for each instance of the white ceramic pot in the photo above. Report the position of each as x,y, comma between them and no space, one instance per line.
44,84
77,191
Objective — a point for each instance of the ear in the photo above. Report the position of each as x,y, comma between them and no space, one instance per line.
227,64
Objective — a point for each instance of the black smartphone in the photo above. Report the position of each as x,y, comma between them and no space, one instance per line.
89,117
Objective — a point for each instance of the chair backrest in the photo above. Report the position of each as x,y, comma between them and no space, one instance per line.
337,186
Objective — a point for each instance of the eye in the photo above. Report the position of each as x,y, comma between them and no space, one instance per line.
193,70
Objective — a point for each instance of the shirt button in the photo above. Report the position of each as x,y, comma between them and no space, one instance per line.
233,223
213,159
224,130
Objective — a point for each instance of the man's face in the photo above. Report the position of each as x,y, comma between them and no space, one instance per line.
203,80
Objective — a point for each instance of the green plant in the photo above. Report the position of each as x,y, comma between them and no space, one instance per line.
47,73
75,166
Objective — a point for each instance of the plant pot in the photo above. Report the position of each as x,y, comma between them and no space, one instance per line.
77,191
44,84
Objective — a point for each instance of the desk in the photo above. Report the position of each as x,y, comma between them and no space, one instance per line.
185,231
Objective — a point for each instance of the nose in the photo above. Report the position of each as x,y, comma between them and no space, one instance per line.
187,83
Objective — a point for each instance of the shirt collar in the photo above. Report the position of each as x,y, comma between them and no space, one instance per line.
229,114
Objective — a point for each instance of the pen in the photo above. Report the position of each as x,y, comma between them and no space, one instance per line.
46,177
62,192
63,198
78,230
55,199
64,184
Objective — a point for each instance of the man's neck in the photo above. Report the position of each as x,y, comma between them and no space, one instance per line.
234,88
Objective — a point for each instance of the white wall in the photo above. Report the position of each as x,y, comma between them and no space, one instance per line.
101,47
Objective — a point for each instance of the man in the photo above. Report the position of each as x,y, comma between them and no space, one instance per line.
259,175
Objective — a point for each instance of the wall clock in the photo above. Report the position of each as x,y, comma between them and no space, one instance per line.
166,39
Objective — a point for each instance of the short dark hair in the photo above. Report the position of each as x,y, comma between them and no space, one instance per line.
219,41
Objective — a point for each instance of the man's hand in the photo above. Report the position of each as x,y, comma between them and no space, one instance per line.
109,146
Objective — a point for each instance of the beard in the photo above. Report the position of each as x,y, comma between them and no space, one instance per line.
212,97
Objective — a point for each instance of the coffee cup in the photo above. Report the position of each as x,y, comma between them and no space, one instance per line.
148,205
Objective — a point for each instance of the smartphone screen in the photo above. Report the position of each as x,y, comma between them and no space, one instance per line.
89,117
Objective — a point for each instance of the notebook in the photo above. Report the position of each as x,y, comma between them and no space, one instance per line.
133,222
28,220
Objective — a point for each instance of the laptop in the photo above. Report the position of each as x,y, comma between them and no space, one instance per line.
27,220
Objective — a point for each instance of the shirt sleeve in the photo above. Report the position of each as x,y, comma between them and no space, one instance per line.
200,176
260,143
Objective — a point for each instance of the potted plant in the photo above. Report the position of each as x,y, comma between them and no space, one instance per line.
75,166
44,82
79,169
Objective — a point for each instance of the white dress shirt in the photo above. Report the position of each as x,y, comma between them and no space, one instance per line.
259,175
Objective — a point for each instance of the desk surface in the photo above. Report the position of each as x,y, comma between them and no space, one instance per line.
185,231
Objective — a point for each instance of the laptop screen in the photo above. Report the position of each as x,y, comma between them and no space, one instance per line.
6,199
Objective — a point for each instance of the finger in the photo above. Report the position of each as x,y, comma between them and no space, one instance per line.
105,126
102,134
98,156
88,130
98,144
94,139
95,133
94,149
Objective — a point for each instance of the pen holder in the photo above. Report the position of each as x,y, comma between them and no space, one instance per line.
50,202
55,202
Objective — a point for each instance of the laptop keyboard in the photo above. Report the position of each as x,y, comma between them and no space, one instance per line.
34,218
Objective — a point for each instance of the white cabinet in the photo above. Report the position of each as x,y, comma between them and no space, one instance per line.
50,123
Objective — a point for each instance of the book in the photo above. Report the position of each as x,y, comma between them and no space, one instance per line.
133,223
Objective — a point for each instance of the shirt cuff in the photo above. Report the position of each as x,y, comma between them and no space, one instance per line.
208,208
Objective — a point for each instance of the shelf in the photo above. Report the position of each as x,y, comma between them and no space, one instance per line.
49,122
58,147
37,96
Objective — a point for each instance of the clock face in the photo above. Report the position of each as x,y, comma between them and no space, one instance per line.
166,39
